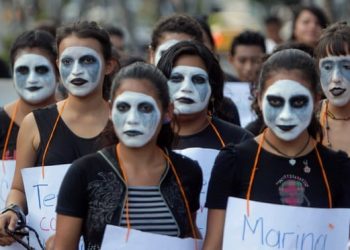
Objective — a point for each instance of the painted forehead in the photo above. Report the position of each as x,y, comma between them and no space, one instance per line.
31,59
134,98
287,88
334,59
77,52
189,70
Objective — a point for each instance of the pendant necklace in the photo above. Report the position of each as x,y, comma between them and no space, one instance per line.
292,159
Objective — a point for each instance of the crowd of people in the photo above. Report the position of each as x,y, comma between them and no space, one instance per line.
123,121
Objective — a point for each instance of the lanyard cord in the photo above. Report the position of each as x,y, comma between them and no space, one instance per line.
13,117
50,139
216,132
252,176
179,184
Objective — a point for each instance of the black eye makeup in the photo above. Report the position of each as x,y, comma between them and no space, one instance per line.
145,107
298,101
87,59
176,78
24,70
199,79
122,107
275,101
66,61
327,65
41,69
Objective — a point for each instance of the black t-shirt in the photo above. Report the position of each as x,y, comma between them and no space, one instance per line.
65,146
92,190
207,138
5,121
276,180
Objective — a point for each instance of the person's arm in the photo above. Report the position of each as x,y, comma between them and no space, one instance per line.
68,232
27,142
215,229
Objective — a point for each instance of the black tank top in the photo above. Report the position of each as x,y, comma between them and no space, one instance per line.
65,146
5,121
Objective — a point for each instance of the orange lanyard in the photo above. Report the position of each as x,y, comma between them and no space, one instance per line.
13,117
50,139
252,176
216,132
178,183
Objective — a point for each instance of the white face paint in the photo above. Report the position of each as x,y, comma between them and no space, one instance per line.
287,109
189,89
34,78
162,48
135,117
80,70
335,79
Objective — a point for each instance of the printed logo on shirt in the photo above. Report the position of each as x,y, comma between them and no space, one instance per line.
291,189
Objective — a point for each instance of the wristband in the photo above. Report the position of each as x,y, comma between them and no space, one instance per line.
18,211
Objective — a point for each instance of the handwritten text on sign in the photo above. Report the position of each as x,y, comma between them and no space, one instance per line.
114,238
205,158
271,226
7,170
42,197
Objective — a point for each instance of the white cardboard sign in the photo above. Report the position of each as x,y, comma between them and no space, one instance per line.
7,171
239,93
205,158
41,194
115,239
271,226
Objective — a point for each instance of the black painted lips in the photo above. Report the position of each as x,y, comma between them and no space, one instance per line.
286,128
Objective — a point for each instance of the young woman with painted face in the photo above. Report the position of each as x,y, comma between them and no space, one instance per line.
333,56
69,129
32,56
294,169
195,82
112,185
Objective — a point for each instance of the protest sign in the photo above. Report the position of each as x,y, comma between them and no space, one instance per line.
205,158
41,194
271,226
7,170
115,238
240,94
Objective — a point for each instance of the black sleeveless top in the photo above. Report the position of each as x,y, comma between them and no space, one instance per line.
65,146
5,121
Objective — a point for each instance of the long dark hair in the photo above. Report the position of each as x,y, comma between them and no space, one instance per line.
293,59
35,39
145,71
216,76
87,29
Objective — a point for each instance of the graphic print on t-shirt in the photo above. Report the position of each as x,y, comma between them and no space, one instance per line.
291,189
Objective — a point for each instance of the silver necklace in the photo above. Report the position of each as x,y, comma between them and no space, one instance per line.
292,159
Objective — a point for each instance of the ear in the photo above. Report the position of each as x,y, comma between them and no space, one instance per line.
110,105
169,114
112,65
259,99
58,64
230,58
151,55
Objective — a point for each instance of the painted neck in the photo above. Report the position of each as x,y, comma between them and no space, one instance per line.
192,123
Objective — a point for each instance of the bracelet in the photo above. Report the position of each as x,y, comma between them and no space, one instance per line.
19,213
